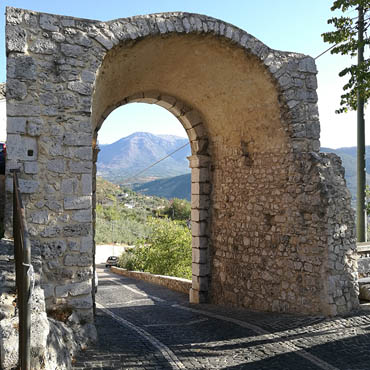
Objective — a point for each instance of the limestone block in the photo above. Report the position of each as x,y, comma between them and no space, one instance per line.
77,260
84,302
82,215
88,76
19,110
83,153
43,47
69,186
16,125
200,269
199,215
191,119
166,102
73,245
49,290
66,100
199,228
77,202
16,38
16,89
56,165
80,166
86,184
104,41
39,217
197,161
74,139
199,242
80,229
53,249
28,186
161,23
197,297
200,201
82,88
47,98
151,97
200,283
87,245
200,188
186,24
199,255
21,67
179,109
58,37
307,64
49,22
199,175
73,51
199,146
34,126
73,289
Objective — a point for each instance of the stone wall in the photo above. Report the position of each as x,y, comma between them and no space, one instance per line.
271,219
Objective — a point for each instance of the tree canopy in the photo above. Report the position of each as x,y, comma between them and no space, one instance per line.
346,42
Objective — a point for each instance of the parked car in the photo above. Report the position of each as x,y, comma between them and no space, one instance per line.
2,158
111,261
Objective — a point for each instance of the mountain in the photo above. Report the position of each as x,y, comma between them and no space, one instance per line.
123,159
349,160
173,187
179,186
118,162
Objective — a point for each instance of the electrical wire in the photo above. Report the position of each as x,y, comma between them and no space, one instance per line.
153,164
324,52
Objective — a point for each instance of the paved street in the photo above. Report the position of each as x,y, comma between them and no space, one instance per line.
143,326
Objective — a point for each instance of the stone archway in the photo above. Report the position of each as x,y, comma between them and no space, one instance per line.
276,213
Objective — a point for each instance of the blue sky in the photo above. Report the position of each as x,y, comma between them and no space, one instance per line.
293,25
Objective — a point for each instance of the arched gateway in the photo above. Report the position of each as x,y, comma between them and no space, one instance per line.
271,219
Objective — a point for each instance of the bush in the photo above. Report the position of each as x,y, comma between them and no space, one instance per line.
166,251
178,209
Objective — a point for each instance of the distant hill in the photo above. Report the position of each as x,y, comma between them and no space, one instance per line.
349,160
174,187
126,157
117,162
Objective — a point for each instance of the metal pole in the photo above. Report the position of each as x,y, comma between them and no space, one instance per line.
23,276
361,166
27,271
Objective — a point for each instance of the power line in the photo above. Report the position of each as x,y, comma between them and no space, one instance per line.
155,163
324,52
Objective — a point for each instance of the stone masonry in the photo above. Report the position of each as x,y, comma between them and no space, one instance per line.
271,218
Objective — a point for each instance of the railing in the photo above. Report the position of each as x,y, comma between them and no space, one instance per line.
23,273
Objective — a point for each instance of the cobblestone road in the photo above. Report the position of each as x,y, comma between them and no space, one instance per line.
143,326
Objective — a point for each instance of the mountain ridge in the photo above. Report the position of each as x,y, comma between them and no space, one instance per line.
119,161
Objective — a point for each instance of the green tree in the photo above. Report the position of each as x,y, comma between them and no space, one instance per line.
166,251
346,42
178,209
348,39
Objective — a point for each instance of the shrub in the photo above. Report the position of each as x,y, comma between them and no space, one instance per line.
166,251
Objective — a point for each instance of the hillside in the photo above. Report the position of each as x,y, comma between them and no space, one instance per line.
170,178
349,160
173,187
122,159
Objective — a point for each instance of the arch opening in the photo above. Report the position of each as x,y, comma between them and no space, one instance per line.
192,123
